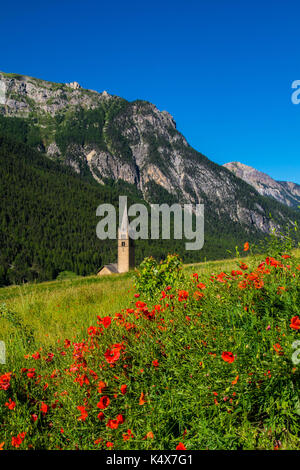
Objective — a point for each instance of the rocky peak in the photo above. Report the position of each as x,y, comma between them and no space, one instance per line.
285,192
112,139
74,85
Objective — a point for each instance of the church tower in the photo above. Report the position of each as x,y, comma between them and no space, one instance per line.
125,247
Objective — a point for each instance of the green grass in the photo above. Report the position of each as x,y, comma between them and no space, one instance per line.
192,395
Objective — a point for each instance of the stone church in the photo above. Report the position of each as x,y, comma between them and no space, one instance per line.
125,252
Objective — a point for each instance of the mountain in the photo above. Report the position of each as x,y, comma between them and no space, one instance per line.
284,192
64,150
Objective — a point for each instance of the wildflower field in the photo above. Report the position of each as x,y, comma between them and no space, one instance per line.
202,359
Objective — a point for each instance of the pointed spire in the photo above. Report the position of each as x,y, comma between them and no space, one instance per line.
123,229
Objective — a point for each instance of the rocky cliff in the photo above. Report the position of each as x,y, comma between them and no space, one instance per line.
109,138
284,192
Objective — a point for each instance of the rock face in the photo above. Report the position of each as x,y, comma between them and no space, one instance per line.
284,192
74,85
113,139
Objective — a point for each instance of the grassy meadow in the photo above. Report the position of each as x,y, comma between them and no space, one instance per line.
205,363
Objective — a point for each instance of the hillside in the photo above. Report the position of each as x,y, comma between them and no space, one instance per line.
48,220
285,192
107,137
91,366
65,150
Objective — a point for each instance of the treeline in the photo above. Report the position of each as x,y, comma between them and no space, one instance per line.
48,221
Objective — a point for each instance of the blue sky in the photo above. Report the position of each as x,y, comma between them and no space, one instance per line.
223,69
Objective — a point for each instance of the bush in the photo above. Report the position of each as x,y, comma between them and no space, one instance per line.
153,276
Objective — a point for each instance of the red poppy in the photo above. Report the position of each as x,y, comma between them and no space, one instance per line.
103,403
112,423
84,413
181,446
278,348
10,404
198,295
201,285
44,408
182,295
246,246
295,323
5,381
120,418
17,441
155,363
140,304
227,356
112,355
234,382
101,386
142,399
123,389
106,321
243,266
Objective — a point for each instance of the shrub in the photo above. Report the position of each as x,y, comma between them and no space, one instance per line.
153,276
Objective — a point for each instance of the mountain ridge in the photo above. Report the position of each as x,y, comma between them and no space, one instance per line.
108,138
285,192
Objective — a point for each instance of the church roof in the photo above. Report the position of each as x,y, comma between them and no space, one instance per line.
112,267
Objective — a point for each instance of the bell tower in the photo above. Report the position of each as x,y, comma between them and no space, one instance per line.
125,247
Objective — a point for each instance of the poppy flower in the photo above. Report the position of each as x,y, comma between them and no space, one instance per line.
198,295
10,404
128,435
155,363
112,423
17,441
181,446
100,416
234,382
106,321
142,399
109,444
295,323
243,266
182,295
246,246
227,356
120,418
44,408
278,348
112,355
101,386
2,445
84,413
103,403
123,389
201,285
140,304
